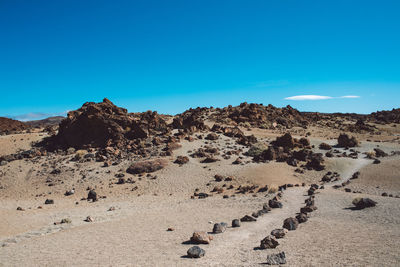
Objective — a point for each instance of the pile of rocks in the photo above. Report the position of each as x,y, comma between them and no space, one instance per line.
291,150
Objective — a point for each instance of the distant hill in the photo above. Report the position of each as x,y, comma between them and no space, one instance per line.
9,125
51,121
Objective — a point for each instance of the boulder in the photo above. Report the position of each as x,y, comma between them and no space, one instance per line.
362,203
290,223
380,153
302,218
269,242
248,218
212,136
276,259
181,160
195,252
219,228
285,141
92,195
275,204
200,238
146,166
49,201
345,141
325,146
279,233
235,223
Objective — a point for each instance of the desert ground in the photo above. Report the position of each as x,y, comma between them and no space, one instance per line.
129,223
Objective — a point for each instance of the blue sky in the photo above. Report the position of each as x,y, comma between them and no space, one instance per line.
172,55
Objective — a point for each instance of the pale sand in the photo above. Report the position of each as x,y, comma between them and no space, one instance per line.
134,234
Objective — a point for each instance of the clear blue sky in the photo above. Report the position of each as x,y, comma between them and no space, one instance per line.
172,55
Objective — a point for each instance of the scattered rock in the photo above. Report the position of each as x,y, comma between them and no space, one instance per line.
89,219
275,204
181,160
362,203
235,223
345,141
66,220
195,252
248,218
279,233
290,223
146,166
276,259
92,195
219,228
269,242
325,146
301,218
200,238
49,201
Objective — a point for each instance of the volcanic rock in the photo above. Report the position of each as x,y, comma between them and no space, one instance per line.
235,223
345,141
181,160
362,203
146,166
269,242
97,125
276,259
195,252
290,223
279,233
200,238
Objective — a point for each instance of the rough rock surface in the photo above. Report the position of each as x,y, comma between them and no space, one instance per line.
8,126
276,259
195,252
200,238
146,166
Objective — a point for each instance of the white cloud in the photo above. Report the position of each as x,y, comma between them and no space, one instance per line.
308,97
317,97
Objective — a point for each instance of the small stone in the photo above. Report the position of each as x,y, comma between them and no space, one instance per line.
302,218
170,229
269,242
235,223
20,209
219,228
276,259
275,204
89,219
66,220
290,223
195,252
279,233
248,218
200,238
49,201
362,203
92,195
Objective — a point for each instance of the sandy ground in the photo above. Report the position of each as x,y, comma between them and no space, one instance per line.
134,234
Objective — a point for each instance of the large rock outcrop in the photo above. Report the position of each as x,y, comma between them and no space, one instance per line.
8,126
104,124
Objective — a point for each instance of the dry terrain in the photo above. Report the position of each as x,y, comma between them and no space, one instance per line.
131,218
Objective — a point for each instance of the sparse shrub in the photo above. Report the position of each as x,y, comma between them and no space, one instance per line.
371,154
79,154
256,149
273,189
